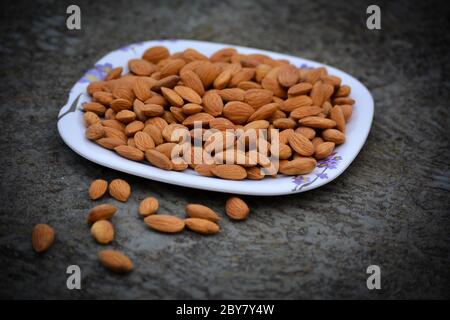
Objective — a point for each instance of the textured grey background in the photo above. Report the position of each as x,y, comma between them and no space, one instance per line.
390,208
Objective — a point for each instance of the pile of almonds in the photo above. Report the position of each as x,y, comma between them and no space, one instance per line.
135,114
199,218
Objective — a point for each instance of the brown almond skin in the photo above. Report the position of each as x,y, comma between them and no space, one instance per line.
101,212
115,261
148,206
323,150
236,208
229,171
120,190
42,237
98,189
333,135
158,159
202,226
102,231
200,211
165,223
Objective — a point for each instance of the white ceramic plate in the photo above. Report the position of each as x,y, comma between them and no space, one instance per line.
71,128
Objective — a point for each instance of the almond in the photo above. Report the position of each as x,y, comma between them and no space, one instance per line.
248,85
295,102
158,159
298,166
188,94
110,143
102,231
221,124
173,97
223,55
258,97
104,98
317,122
120,190
143,141
42,237
148,206
284,123
91,118
165,223
231,94
172,67
337,115
238,112
343,91
152,110
212,103
166,82
223,79
347,111
255,173
202,226
94,107
200,211
301,144
155,133
110,114
323,150
205,169
101,212
236,208
309,133
131,153
245,74
333,135
95,131
264,112
229,171
314,75
141,89
343,100
141,67
125,116
300,89
115,133
134,127
124,92
120,104
114,73
115,261
156,54
207,72
192,108
284,151
200,117
191,79
97,189
113,123
303,112
288,76
166,149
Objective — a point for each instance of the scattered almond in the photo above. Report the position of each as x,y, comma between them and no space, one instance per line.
42,237
120,190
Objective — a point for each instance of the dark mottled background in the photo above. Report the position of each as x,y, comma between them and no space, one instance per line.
390,208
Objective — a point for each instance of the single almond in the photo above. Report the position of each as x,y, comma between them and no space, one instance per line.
245,74
94,107
317,122
148,206
192,108
231,94
134,127
91,118
114,73
143,141
301,144
343,91
300,89
264,112
337,115
200,211
258,97
125,116
300,165
121,104
323,150
284,123
97,189
238,112
101,212
110,143
236,208
113,123
306,111
141,67
156,54
223,79
120,190
202,118
42,237
115,261
115,133
191,79
165,223
333,135
309,133
212,103
152,110
207,72
205,169
173,97
102,231
202,226
166,82
130,153
295,102
105,98
229,171
158,159
288,76
188,94
95,132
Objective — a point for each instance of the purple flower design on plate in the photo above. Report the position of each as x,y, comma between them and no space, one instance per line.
305,66
329,163
97,73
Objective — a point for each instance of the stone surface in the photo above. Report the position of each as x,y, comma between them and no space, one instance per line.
390,208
